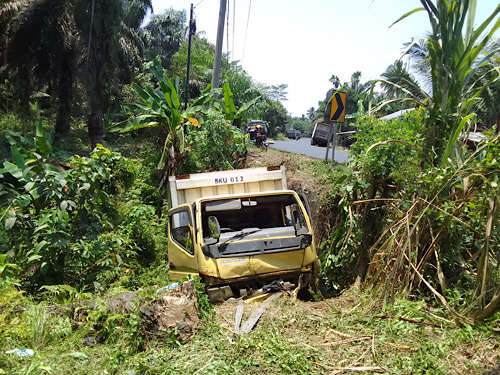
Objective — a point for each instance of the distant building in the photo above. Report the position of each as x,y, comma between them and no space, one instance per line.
398,114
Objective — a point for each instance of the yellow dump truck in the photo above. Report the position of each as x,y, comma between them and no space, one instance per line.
239,230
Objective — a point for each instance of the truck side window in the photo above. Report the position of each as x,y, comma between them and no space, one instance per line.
298,219
180,231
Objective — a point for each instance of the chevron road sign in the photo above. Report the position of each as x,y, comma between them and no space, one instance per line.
336,107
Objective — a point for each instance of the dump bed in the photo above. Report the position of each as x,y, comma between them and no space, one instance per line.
188,188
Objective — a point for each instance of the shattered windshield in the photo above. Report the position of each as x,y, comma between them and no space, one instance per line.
251,213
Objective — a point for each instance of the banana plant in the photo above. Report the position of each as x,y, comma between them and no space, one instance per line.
231,112
158,107
161,107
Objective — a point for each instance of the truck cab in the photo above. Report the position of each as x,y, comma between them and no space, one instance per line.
245,239
321,134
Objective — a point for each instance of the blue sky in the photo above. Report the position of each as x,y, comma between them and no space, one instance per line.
302,43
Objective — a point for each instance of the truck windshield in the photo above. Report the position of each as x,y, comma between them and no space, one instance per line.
261,212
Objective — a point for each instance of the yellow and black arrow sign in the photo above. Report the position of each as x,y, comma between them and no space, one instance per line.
336,107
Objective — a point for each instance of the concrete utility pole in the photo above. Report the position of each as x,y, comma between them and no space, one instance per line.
218,45
192,31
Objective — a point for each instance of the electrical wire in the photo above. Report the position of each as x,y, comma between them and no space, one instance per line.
199,3
246,31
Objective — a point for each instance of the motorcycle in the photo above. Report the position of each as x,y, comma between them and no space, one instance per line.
261,141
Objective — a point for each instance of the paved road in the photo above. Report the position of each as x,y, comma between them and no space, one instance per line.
303,146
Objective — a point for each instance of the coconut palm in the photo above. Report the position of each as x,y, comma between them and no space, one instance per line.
488,107
398,83
335,80
311,113
418,62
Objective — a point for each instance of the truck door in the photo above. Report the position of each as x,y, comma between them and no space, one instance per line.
181,245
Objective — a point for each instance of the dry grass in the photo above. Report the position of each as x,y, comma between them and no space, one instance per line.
298,178
349,332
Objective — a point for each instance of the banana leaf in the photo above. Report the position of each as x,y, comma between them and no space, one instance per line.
245,107
133,123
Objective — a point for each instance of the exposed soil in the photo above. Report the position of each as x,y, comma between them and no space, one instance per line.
333,328
175,311
297,179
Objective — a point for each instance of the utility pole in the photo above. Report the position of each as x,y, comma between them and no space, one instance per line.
192,31
218,45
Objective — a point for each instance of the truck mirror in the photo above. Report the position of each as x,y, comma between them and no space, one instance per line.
213,227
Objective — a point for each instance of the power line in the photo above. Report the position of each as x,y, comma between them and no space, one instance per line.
246,31
199,3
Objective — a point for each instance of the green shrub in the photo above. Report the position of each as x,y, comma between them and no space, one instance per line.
216,145
49,210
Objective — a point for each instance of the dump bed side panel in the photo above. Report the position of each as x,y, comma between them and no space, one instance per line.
186,189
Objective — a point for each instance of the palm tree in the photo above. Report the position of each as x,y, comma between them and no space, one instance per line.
164,34
335,80
202,60
455,53
111,50
53,43
418,62
46,62
399,83
9,9
311,113
136,11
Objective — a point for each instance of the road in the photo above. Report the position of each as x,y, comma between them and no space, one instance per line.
303,146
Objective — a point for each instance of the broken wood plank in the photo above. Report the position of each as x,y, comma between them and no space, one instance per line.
256,314
239,315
